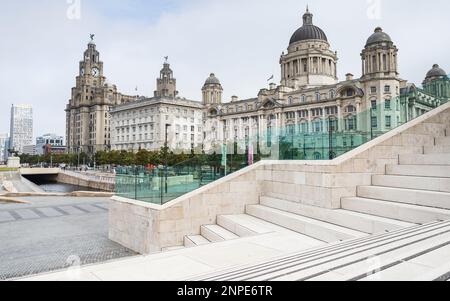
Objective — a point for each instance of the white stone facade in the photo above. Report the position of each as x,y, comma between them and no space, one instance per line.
144,124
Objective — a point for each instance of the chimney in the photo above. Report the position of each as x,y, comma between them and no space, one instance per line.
349,77
234,98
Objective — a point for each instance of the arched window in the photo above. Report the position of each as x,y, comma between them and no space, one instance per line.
303,98
332,94
290,100
318,96
317,156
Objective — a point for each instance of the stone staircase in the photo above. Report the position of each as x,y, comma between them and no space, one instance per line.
415,191
421,252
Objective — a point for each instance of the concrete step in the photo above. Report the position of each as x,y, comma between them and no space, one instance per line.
245,225
384,260
434,159
443,141
353,259
311,227
215,233
195,240
418,266
437,149
407,196
421,183
173,248
348,219
436,171
402,212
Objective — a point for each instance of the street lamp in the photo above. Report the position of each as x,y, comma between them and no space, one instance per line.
166,146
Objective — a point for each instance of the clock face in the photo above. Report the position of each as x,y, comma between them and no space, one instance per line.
95,72
82,72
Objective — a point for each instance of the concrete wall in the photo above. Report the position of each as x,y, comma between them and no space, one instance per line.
94,182
147,228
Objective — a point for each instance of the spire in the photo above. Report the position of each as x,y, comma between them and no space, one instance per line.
307,17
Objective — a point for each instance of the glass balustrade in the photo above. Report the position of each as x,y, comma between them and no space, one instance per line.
316,135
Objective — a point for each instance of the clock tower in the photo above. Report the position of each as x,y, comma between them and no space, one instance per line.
87,114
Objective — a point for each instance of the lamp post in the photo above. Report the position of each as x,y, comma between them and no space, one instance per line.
166,146
371,123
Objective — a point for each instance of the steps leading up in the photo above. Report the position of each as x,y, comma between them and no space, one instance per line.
410,182
195,240
401,254
311,227
443,141
435,149
349,219
403,212
407,196
436,171
433,159
215,233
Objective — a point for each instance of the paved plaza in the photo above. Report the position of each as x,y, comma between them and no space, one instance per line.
54,233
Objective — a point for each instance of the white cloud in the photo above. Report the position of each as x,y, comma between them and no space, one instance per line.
240,41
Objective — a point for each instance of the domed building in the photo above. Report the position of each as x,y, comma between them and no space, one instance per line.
307,105
437,83
310,99
309,61
212,91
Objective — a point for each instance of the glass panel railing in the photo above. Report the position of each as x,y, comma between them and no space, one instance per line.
306,134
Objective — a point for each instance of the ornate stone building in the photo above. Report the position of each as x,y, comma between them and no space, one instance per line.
88,117
311,100
148,122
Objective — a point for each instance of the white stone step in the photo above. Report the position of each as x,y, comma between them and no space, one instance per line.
426,198
434,159
421,183
314,228
348,219
357,267
298,267
416,267
245,225
195,240
173,248
437,149
435,273
398,211
215,233
443,141
436,171
368,242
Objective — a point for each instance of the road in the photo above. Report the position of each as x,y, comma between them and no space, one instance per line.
54,233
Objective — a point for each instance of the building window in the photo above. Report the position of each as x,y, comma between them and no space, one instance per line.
303,98
388,121
290,101
332,94
318,96
374,104
350,123
387,89
373,90
374,122
387,104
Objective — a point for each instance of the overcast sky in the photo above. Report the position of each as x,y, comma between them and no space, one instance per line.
239,40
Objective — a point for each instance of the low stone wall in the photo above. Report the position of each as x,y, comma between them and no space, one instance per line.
95,182
147,228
